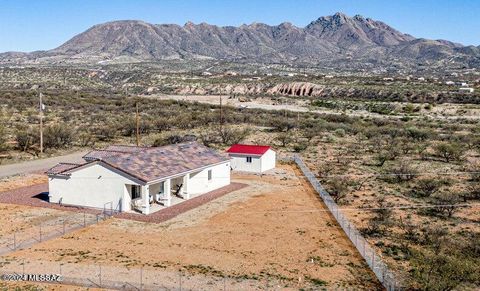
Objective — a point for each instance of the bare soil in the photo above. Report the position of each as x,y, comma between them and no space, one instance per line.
277,227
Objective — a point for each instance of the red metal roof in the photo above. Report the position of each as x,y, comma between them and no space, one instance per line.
248,149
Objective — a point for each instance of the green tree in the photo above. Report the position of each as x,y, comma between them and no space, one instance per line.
448,151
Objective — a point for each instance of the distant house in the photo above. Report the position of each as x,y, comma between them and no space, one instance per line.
145,179
251,158
467,90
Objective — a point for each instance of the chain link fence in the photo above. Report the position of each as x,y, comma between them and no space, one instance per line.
47,230
374,261
128,278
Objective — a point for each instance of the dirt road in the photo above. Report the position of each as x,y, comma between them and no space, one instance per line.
443,111
38,165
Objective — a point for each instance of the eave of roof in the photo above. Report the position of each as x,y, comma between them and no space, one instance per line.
245,149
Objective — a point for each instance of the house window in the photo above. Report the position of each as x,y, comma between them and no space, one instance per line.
249,159
209,175
135,191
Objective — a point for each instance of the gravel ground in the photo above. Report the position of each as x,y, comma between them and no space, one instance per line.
35,196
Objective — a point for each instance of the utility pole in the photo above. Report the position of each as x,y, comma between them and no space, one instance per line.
221,112
137,121
41,123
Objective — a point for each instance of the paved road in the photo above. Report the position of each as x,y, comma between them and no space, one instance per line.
38,165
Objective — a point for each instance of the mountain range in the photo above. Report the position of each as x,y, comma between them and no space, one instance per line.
329,39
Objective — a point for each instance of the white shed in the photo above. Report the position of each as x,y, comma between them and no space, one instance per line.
125,178
251,158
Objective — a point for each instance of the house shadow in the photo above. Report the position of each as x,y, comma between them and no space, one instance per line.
43,197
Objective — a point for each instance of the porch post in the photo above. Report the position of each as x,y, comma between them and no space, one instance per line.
145,192
168,192
186,192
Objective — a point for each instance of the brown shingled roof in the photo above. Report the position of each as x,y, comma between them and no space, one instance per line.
150,164
110,151
161,162
62,168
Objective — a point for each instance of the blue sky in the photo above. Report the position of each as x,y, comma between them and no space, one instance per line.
27,25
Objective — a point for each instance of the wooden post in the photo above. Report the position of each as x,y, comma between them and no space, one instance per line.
221,112
137,125
41,123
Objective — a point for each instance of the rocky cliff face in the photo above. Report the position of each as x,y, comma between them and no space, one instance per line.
327,39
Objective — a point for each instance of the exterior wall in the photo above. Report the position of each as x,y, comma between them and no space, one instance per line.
92,186
268,160
199,184
259,164
239,163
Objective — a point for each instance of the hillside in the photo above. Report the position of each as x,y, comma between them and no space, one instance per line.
333,40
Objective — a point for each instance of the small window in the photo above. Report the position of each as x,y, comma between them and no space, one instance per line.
209,175
249,159
135,191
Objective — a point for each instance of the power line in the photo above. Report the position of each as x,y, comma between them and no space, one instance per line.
415,206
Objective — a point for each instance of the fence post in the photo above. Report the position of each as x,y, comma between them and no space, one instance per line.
63,226
180,281
15,240
23,266
84,219
100,275
40,231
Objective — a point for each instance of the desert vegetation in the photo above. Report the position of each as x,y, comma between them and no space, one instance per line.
412,182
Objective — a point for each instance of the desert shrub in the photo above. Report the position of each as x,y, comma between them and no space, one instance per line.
105,132
426,187
26,138
300,146
57,136
340,132
338,189
86,139
442,271
129,127
209,138
284,138
446,203
448,151
418,134
401,172
231,135
3,138
381,219
173,139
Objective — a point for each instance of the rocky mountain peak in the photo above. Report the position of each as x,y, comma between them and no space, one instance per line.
327,39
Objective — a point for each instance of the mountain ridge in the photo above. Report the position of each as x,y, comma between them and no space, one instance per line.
327,39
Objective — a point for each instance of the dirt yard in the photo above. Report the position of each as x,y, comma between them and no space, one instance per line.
15,182
276,228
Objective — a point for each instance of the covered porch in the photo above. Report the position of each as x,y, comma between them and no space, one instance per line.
156,196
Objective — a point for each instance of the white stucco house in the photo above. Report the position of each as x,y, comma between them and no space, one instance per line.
143,179
251,158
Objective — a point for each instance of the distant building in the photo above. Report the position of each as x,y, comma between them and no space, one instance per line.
468,90
206,73
450,83
251,158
